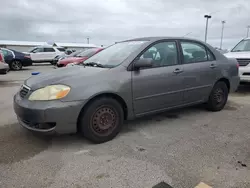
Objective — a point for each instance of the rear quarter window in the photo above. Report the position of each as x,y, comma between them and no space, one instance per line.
61,49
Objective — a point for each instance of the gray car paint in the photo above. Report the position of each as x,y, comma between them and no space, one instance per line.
143,92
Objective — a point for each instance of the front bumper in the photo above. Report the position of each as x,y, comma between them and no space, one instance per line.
244,73
47,116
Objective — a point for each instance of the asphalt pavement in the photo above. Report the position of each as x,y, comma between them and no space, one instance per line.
181,148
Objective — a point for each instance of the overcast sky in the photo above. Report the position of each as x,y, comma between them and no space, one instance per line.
107,21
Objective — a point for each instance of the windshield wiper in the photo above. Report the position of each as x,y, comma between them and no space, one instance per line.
93,64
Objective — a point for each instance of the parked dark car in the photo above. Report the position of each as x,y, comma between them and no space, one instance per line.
127,80
15,59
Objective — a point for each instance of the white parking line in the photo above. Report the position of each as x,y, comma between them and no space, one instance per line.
202,185
81,152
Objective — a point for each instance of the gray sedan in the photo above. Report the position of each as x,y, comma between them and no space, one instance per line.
127,80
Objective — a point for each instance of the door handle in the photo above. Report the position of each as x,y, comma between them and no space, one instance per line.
177,71
212,66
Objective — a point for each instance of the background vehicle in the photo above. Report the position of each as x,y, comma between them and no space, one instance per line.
4,67
46,53
69,51
63,56
126,80
241,52
78,58
16,60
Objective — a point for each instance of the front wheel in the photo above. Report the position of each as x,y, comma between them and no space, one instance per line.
16,65
102,120
218,97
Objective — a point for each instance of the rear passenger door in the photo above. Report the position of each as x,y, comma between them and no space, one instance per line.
49,54
200,71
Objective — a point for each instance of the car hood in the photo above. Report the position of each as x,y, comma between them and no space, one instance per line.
68,76
237,55
72,60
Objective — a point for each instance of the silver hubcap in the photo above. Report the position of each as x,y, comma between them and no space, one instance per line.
16,65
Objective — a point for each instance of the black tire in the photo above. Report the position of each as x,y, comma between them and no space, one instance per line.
16,65
102,120
218,97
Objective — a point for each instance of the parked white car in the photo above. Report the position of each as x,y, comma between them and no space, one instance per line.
241,52
45,53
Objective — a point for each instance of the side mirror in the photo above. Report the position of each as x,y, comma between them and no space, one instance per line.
143,63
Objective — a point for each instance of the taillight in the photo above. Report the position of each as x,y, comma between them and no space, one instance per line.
27,56
1,58
238,65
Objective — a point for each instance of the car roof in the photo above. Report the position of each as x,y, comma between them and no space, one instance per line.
48,46
161,38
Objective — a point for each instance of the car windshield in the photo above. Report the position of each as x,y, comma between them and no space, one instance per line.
244,45
32,49
87,53
74,54
115,54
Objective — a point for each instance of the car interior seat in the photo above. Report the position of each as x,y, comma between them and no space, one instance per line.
199,56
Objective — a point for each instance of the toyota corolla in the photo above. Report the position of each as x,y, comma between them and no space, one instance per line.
129,79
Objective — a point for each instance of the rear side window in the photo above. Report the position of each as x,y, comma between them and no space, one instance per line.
61,49
195,52
49,50
6,53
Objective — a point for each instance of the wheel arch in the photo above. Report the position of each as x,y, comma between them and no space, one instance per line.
115,96
226,80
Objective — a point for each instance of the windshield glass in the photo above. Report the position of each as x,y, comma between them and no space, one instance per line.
32,49
244,45
115,54
74,54
87,53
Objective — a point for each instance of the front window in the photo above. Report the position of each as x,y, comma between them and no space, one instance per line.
162,54
115,54
37,50
243,46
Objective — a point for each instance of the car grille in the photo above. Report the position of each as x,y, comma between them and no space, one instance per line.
243,62
24,91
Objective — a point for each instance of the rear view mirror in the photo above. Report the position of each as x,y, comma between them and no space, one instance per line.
143,63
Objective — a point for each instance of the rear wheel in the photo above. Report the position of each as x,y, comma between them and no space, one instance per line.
16,65
218,97
102,120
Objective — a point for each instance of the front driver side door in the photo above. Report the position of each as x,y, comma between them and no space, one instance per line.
159,87
37,54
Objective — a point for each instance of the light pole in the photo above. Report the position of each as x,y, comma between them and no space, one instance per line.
207,17
222,31
87,40
248,30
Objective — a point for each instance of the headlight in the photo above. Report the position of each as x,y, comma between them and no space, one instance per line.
50,93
